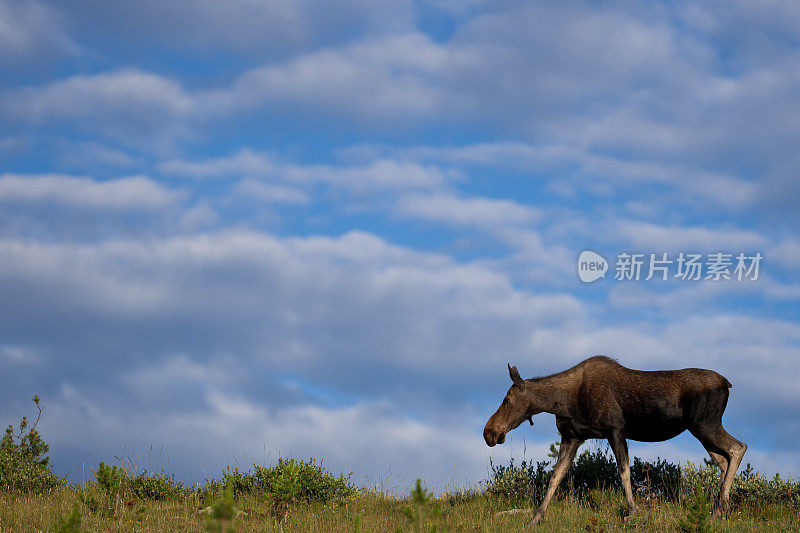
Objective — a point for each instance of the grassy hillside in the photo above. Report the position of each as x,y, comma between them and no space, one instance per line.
365,512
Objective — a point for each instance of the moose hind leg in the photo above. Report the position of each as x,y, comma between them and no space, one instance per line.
722,463
736,451
718,441
620,448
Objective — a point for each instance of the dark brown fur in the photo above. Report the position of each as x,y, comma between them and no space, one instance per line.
601,399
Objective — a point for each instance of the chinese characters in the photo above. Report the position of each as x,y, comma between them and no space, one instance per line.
716,266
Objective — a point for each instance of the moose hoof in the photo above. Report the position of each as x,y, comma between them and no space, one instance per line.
536,519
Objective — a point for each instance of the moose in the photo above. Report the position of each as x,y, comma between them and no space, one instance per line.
601,399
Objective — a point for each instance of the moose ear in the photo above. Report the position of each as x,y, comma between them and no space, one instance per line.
514,373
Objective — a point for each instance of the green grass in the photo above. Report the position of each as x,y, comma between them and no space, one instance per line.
598,511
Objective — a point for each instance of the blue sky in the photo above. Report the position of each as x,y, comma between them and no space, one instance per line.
229,233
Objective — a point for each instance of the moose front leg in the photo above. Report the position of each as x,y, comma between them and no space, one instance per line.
620,447
566,454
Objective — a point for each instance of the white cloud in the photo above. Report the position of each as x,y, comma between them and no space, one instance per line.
371,439
378,175
90,155
136,192
402,305
580,169
107,93
755,32
475,211
785,253
627,95
30,33
175,371
682,298
239,29
245,162
275,194
373,176
389,77
133,106
411,77
655,238
17,355
263,298
200,216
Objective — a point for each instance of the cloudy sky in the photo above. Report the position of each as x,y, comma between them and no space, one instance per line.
235,232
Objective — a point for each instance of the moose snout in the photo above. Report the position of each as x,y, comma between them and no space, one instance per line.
492,438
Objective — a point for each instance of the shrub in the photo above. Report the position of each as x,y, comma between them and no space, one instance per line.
111,479
524,481
697,514
219,515
159,486
116,481
421,505
593,469
659,479
598,470
286,482
529,480
749,487
24,465
72,522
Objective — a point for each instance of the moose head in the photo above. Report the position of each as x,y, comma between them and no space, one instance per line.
515,409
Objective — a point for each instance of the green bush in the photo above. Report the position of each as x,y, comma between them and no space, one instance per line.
524,481
660,479
116,481
237,482
24,465
288,481
749,487
598,470
72,522
421,506
528,480
593,469
697,513
219,515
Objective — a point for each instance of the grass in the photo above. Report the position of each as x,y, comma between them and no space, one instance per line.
365,511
